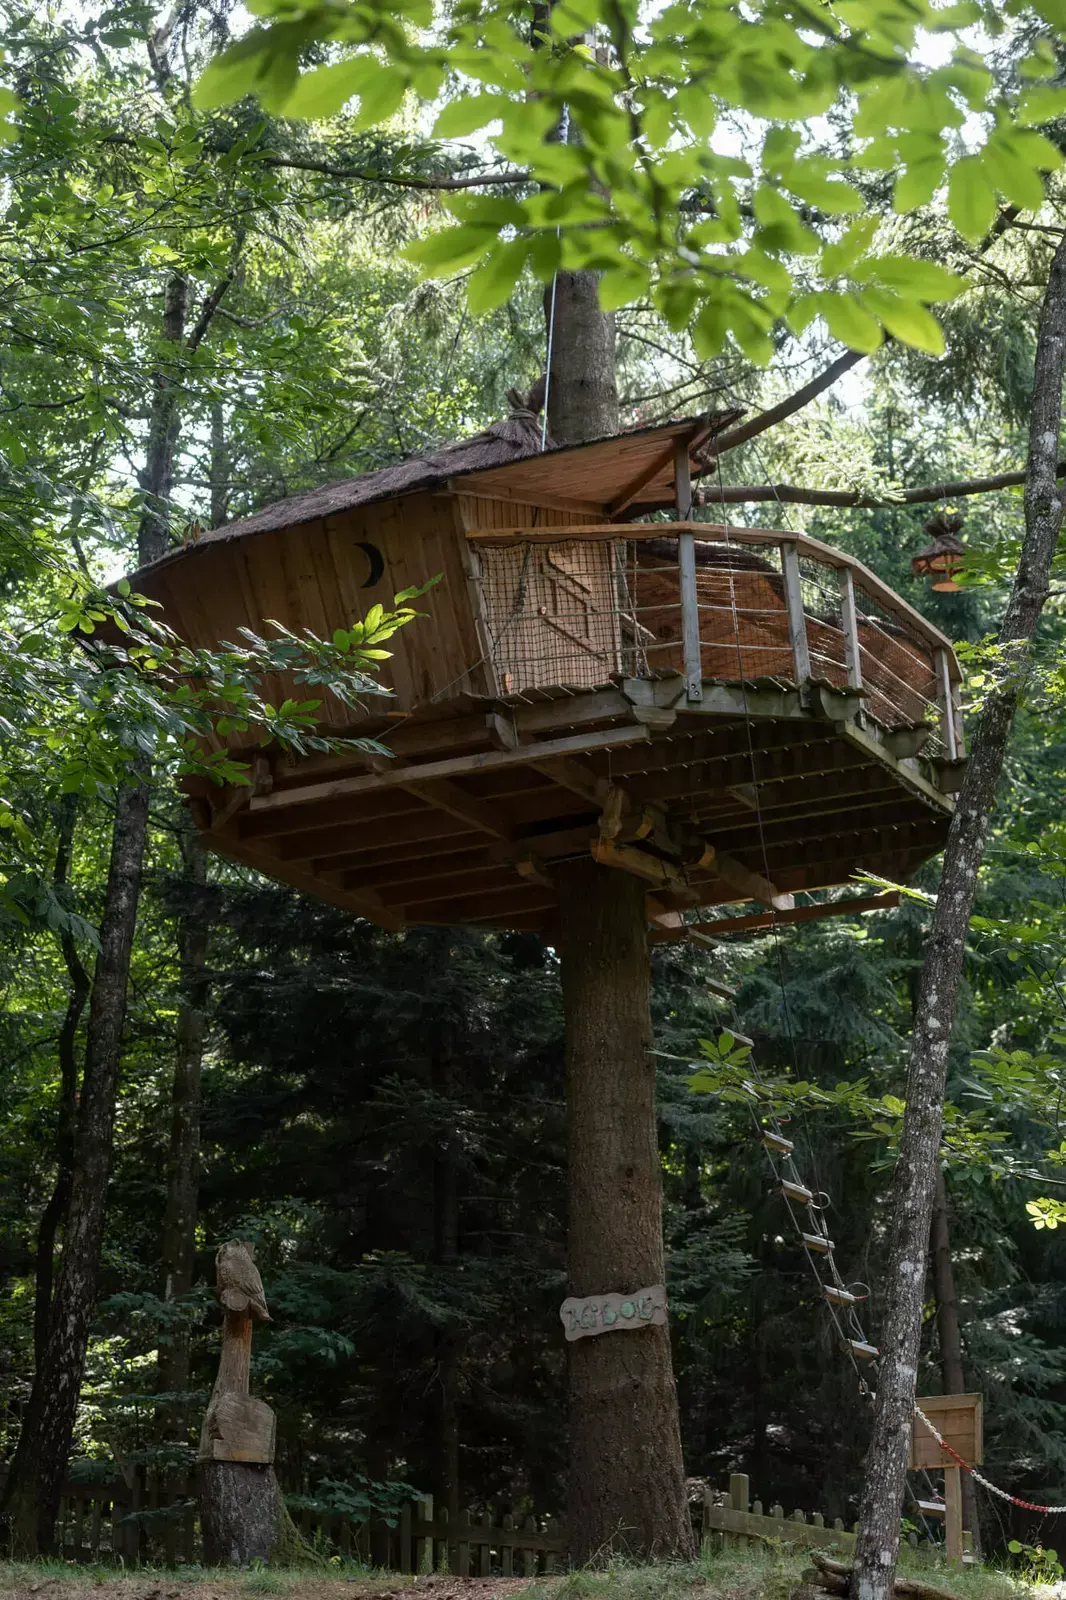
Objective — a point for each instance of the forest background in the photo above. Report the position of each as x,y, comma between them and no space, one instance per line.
204,311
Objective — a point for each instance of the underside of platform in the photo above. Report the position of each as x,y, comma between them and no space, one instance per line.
754,793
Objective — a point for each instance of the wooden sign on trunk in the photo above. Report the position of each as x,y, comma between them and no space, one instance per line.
613,1313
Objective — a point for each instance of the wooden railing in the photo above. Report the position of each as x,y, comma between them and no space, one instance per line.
576,606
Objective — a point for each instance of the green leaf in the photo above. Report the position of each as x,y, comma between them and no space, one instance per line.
231,75
494,280
912,277
461,117
449,248
917,184
971,198
906,320
1041,104
842,255
620,286
323,92
123,587
848,322
1013,177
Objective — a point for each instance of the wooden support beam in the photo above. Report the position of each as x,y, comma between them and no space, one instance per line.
762,921
752,884
446,796
638,862
368,903
576,777
460,766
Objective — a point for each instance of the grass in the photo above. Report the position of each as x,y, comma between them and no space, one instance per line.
760,1573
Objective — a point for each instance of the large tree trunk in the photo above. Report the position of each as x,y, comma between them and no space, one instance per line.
949,1335
183,1152
582,386
626,1478
33,1485
627,1489
915,1175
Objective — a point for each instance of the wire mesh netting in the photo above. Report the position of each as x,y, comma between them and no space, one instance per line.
581,612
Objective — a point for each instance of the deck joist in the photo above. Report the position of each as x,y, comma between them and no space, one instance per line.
755,793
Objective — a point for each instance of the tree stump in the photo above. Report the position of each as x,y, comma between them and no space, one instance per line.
242,1514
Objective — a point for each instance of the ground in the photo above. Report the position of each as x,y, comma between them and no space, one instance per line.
763,1574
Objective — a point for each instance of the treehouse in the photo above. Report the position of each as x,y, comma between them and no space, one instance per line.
732,714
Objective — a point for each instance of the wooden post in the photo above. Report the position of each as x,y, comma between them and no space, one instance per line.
462,1545
739,1495
507,1549
849,618
686,566
797,620
406,1561
953,1515
424,1563
947,705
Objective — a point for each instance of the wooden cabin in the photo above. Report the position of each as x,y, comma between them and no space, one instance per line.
733,714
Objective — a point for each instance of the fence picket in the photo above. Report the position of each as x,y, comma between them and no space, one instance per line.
529,1554
507,1549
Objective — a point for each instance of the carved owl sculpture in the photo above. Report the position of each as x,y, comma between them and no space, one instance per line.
237,1280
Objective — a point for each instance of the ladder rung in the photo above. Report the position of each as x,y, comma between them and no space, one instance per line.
864,1351
796,1191
722,989
840,1297
815,1241
777,1142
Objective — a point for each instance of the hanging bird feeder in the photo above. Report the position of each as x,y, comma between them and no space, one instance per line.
943,557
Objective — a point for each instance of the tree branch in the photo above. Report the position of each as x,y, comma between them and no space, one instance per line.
509,175
924,494
794,402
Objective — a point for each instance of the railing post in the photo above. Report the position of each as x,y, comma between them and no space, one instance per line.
850,620
947,706
797,621
686,566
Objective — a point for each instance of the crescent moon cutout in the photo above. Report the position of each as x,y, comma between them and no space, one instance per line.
376,561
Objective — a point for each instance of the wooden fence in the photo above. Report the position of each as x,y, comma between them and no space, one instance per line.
737,1521
152,1519
149,1518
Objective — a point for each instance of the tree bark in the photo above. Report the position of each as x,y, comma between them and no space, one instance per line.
55,1211
949,1335
44,1442
183,1154
915,1174
32,1490
627,1489
582,385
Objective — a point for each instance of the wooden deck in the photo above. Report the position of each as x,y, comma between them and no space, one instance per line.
755,792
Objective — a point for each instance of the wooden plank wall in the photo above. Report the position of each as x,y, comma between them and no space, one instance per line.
313,577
